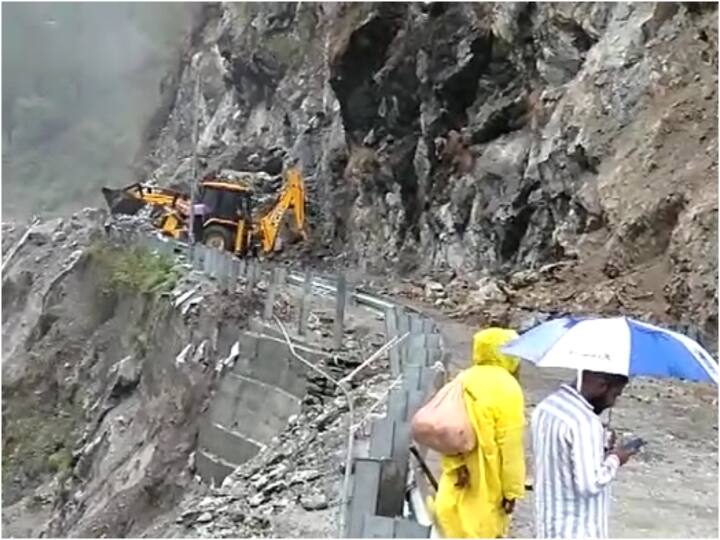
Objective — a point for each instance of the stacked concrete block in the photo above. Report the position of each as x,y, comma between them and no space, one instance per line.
252,403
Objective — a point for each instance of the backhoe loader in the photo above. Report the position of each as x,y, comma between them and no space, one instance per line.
223,212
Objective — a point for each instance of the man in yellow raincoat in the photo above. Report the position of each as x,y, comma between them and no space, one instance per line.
478,490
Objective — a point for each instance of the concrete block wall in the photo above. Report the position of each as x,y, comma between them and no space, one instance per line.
252,404
254,400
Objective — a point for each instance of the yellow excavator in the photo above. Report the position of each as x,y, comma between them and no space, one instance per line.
223,211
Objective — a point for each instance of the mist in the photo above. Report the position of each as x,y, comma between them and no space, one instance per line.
79,83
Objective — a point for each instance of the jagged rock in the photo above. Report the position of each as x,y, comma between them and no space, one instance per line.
274,486
313,502
471,137
300,477
205,517
434,154
129,370
58,237
487,290
189,516
523,278
257,499
260,482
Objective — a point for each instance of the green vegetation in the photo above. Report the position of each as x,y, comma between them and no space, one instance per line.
60,461
36,441
137,269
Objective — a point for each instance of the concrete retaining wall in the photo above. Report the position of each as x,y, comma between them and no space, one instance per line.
252,403
265,387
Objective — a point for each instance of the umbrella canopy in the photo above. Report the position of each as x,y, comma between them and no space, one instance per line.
614,345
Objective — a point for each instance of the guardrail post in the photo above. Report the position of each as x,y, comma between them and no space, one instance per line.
270,298
391,330
364,495
250,271
305,303
221,270
233,275
215,265
206,261
340,298
281,276
228,271
197,257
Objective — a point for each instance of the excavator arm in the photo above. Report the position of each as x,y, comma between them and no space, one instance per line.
130,199
292,196
173,206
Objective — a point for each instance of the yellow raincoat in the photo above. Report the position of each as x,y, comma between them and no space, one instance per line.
496,466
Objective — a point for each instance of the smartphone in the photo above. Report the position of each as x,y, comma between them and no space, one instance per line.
634,444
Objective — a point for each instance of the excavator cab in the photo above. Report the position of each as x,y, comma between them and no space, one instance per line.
226,223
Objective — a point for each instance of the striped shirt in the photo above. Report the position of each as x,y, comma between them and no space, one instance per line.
572,474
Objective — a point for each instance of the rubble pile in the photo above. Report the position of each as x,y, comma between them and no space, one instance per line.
131,226
112,380
527,297
301,471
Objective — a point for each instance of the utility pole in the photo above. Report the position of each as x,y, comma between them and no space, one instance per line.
196,121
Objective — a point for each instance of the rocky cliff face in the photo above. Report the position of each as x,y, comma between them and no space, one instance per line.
471,137
101,400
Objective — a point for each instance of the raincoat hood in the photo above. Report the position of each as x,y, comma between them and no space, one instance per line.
486,349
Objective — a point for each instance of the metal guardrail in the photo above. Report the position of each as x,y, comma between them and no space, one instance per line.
385,500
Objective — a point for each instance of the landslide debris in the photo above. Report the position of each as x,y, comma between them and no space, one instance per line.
475,138
99,416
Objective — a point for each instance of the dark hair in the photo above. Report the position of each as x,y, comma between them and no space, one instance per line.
613,379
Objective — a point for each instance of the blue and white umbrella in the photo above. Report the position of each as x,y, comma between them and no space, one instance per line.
614,345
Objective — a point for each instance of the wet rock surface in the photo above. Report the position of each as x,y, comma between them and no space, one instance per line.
489,163
100,408
472,137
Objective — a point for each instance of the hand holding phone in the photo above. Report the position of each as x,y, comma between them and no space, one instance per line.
634,445
627,450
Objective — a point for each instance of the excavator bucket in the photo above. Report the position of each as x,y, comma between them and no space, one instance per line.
121,202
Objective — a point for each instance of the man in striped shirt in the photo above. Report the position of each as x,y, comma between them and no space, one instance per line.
573,471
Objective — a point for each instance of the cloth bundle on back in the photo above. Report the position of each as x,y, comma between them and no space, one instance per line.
443,423
478,488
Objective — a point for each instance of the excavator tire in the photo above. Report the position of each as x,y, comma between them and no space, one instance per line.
218,237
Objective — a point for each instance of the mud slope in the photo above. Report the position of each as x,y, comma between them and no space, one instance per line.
100,413
473,137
